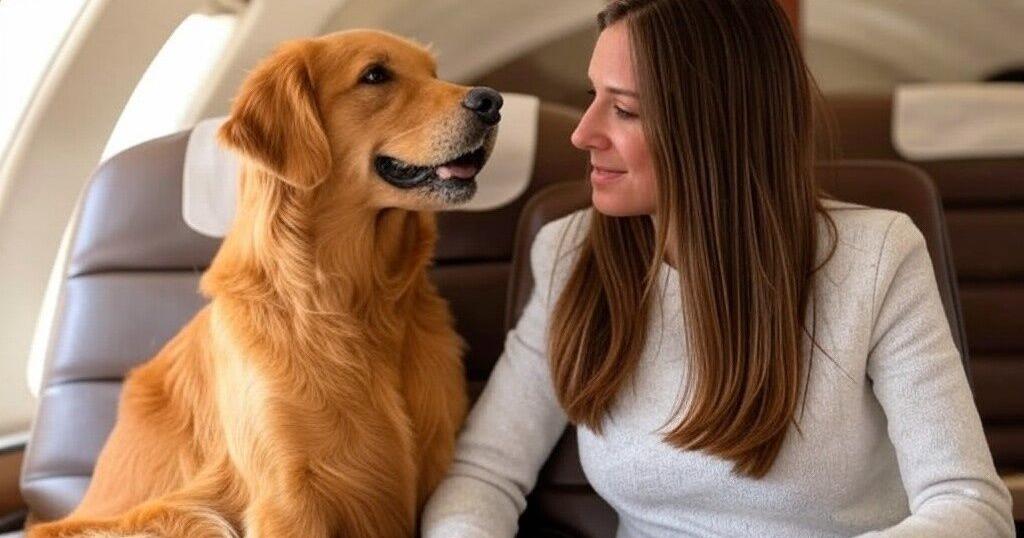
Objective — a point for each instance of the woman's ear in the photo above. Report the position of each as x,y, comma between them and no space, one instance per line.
275,120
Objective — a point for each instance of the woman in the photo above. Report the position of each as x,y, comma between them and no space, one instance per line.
682,322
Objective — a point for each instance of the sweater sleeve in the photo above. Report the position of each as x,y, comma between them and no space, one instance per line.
914,366
511,429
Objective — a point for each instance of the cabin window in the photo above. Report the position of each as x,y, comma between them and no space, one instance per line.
31,32
160,103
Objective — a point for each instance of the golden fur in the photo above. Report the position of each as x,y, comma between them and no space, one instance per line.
320,391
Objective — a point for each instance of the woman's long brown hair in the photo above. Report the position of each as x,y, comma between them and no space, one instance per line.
726,106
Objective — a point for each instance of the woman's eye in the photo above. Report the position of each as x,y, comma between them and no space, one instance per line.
376,74
620,112
625,114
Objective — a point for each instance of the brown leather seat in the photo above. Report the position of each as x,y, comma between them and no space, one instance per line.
984,205
132,283
563,503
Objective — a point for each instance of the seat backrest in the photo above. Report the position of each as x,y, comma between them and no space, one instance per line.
132,283
563,500
983,199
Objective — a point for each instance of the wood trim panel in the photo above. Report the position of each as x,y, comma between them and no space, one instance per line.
10,471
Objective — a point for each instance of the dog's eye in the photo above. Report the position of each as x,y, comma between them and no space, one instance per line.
375,74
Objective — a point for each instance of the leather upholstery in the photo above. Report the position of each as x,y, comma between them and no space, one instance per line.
984,206
864,131
563,501
132,283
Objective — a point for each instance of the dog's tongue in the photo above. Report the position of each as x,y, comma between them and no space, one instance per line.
461,171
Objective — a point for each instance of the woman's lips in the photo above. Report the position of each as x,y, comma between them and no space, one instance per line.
603,176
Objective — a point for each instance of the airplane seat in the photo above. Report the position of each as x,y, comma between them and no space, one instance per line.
563,502
970,139
135,264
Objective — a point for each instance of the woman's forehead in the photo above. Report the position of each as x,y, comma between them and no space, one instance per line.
611,64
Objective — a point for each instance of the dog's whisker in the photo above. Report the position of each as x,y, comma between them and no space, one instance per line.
406,132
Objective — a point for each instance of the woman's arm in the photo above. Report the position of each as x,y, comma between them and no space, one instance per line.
947,469
511,430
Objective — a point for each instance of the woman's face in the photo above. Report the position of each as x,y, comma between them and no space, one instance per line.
623,174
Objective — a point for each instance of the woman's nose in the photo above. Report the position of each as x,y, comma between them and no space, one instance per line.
588,135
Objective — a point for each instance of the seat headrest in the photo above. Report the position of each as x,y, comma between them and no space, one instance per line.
959,121
211,172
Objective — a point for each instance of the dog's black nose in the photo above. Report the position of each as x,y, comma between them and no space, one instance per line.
485,102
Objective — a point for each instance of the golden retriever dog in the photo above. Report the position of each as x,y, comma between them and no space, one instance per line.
319,393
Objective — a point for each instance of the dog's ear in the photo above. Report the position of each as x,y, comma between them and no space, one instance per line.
275,120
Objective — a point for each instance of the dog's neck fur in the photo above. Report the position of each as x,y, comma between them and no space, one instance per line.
286,258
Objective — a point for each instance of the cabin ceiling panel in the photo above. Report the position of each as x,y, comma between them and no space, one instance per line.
471,37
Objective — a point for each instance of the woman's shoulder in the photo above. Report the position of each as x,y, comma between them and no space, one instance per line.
574,226
858,215
558,241
864,230
866,239
858,227
862,235
563,234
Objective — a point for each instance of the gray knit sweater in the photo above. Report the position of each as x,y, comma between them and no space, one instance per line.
892,443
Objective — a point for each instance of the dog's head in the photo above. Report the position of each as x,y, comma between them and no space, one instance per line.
363,114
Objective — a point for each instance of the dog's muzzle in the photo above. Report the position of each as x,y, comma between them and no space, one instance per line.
406,176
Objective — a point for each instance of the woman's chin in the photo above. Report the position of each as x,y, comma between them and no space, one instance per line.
611,205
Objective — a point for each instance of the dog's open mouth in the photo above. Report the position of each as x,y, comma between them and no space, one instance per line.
404,175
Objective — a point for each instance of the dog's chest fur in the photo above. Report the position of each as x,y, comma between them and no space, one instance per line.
275,390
